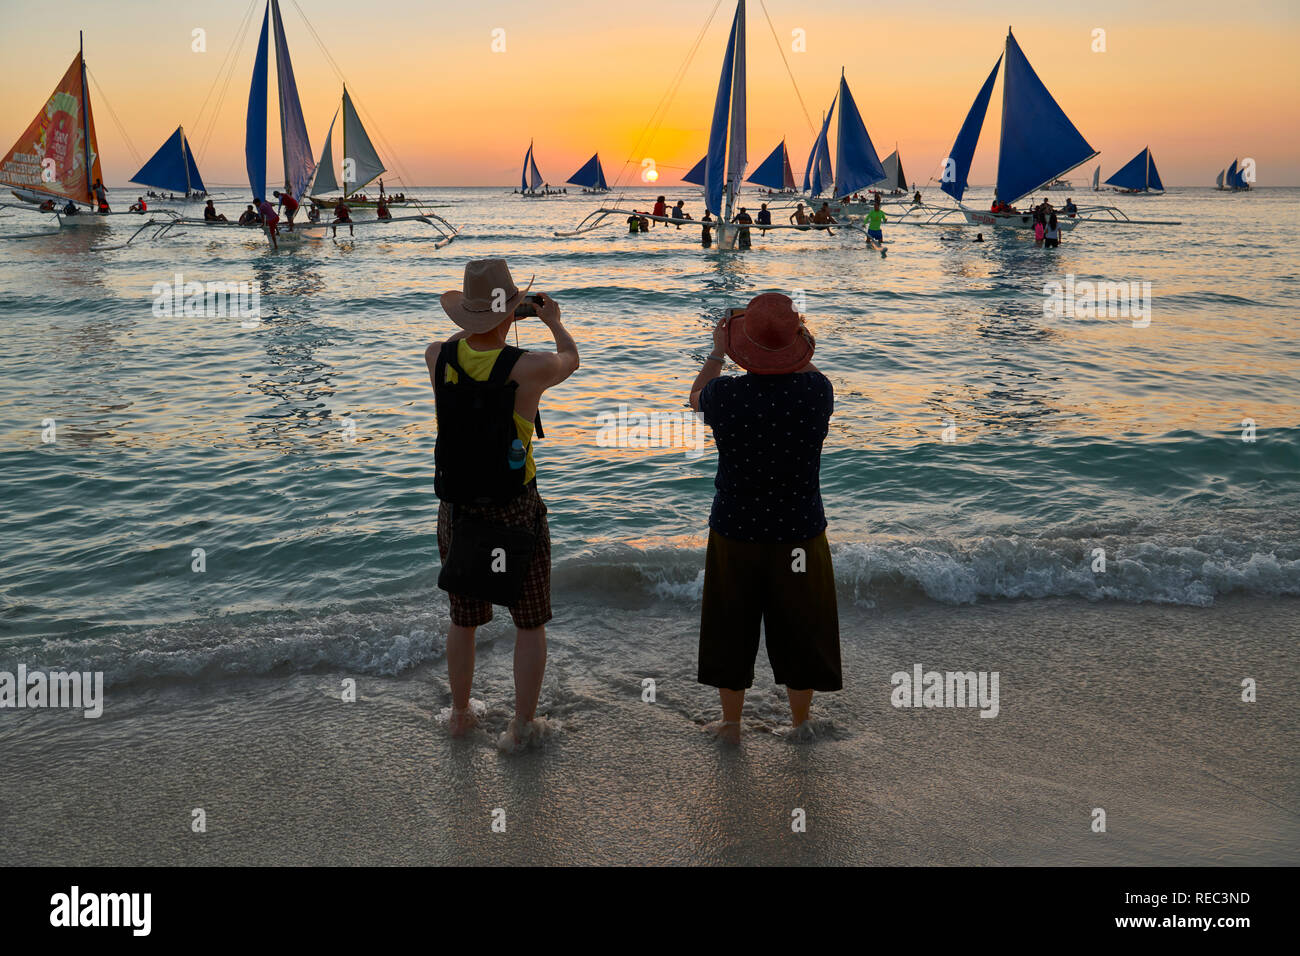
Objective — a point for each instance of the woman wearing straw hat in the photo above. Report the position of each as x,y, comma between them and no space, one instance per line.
768,560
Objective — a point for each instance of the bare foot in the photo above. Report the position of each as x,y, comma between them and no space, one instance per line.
462,722
727,731
520,735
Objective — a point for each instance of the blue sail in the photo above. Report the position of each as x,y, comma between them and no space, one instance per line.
696,174
299,160
172,167
957,167
715,169
523,176
819,158
590,176
1039,143
1153,175
856,162
255,132
1230,179
1138,173
196,181
771,171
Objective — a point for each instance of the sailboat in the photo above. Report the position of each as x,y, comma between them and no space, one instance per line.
774,173
1039,144
1096,180
172,168
360,165
1218,180
722,170
531,185
301,172
591,177
1234,179
56,159
1138,176
895,181
856,167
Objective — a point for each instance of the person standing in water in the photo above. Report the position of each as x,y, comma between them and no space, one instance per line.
768,564
485,390
875,218
288,204
270,220
1052,233
706,231
744,220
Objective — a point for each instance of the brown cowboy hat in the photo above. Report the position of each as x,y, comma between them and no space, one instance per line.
488,298
768,337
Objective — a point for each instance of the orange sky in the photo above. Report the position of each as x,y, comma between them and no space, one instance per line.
581,77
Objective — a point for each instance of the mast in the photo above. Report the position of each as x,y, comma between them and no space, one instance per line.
1006,52
738,107
185,162
85,117
344,107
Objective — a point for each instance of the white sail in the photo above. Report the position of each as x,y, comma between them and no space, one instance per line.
1096,179
737,158
325,182
361,163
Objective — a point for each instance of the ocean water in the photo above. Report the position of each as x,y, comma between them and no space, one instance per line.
298,454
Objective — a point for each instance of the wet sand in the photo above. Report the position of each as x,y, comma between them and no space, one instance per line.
1133,709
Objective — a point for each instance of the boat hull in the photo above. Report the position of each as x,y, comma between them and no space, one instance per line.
1020,220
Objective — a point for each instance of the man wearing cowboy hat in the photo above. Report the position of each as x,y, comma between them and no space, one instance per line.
768,560
485,309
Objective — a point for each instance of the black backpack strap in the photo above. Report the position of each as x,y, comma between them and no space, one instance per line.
446,358
500,374
504,365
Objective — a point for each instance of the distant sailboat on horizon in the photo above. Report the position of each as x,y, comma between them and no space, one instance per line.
774,173
1138,176
591,177
172,168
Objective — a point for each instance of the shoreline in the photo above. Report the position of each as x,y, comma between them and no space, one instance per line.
1134,709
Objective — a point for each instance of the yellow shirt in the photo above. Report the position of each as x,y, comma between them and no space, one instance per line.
478,365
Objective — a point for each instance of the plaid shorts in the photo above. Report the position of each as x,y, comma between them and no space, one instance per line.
526,511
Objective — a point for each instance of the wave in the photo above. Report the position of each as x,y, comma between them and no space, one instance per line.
396,635
1165,568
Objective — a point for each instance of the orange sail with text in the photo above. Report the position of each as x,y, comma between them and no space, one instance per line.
51,156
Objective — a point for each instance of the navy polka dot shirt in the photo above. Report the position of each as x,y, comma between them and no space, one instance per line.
769,431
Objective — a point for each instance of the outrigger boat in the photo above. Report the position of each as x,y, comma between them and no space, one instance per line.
531,179
172,168
1231,179
1039,145
591,177
360,164
722,170
300,168
1138,177
775,174
55,162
